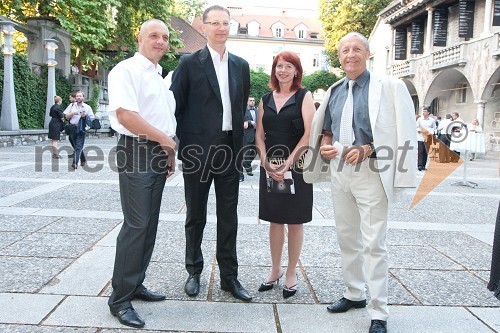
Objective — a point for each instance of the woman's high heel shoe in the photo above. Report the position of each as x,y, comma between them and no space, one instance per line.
265,286
289,292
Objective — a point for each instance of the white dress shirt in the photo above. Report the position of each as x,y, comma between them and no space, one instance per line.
222,72
135,84
428,124
80,108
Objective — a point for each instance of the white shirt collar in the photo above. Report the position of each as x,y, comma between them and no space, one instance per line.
146,63
216,56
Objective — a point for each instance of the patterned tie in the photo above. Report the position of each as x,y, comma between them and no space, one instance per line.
346,132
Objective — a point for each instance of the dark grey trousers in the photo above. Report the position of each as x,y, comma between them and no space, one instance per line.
142,168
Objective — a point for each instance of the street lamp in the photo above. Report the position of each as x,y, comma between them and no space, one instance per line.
8,117
51,46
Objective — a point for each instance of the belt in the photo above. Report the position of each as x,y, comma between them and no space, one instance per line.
73,124
226,133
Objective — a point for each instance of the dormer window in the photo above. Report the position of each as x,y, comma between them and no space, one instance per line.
278,30
300,31
253,28
233,27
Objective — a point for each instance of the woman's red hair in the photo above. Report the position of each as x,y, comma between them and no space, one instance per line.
294,60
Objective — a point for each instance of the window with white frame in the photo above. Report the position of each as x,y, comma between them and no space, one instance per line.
316,62
462,93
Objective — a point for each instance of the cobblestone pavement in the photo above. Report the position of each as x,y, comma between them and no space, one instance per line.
58,230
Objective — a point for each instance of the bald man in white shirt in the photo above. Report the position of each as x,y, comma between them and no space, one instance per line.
142,112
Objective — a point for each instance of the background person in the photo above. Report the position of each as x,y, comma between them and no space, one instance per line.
426,127
282,138
56,125
142,112
249,125
79,115
367,151
211,88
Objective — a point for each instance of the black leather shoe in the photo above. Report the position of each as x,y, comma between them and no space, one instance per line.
71,155
74,166
236,289
129,317
83,163
378,326
149,296
192,286
344,304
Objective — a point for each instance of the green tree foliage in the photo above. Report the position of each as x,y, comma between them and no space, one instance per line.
259,84
89,23
97,25
344,16
319,80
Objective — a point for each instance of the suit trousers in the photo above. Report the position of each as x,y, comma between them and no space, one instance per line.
360,210
142,168
422,154
77,141
249,153
219,167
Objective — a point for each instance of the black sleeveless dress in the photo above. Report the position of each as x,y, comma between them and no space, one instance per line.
283,131
56,125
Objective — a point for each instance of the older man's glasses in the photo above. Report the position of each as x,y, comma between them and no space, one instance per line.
217,24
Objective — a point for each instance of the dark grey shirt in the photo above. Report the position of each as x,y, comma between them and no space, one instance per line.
361,118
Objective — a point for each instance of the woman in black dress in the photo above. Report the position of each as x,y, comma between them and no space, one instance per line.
56,125
282,137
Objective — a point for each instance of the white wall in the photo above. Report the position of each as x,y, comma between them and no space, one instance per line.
259,53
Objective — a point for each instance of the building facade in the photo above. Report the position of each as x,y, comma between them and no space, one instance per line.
448,54
259,32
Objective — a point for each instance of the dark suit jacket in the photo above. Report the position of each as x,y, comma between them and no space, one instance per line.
199,103
250,130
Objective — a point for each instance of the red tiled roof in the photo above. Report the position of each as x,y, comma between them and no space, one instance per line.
266,22
192,39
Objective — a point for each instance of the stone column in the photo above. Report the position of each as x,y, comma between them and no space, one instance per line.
487,19
8,118
428,37
480,112
51,46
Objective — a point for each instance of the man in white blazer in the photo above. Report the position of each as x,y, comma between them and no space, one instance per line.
363,140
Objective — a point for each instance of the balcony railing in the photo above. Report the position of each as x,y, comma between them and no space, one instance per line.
403,69
451,56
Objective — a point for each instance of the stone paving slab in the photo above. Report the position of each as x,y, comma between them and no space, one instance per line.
176,315
315,318
490,316
45,329
28,224
446,288
8,187
86,276
80,226
28,274
51,245
26,308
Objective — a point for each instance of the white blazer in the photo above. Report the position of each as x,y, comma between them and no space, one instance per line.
392,119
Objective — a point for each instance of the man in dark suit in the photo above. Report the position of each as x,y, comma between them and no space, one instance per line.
249,149
211,88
